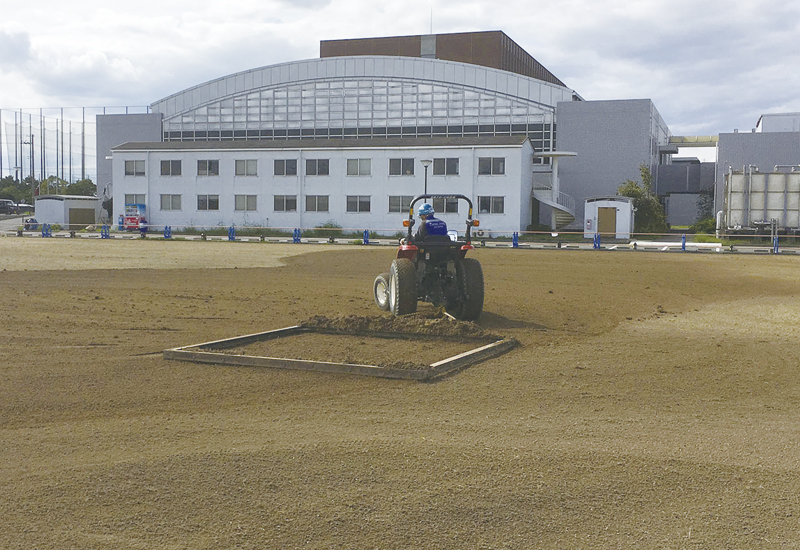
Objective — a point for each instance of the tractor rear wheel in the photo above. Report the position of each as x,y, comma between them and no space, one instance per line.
380,291
402,287
469,276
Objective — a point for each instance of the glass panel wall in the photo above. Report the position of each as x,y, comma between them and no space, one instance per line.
365,107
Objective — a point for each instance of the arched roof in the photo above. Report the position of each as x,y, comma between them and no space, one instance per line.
432,71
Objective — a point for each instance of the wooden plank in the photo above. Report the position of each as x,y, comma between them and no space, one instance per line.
291,364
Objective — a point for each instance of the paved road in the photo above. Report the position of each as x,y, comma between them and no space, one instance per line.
10,223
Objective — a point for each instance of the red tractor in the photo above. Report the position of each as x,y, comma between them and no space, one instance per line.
434,269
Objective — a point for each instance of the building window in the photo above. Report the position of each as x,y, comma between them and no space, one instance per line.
316,203
170,202
359,167
491,205
285,167
445,167
401,167
134,168
245,203
134,199
285,203
358,203
444,205
208,168
399,203
246,167
317,167
170,168
208,202
491,166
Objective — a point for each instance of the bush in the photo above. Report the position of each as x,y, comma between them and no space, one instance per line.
702,238
706,225
649,217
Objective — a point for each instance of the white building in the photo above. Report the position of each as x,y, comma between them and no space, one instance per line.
400,95
69,211
357,184
608,217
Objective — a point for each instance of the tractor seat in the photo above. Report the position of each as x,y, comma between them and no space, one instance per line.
437,247
443,239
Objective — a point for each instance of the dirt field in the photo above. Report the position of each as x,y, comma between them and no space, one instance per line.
653,404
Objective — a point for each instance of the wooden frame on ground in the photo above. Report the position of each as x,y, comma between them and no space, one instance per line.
198,353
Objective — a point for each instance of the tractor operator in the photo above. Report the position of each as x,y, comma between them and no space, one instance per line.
429,225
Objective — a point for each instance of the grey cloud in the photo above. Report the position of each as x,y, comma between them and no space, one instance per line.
15,49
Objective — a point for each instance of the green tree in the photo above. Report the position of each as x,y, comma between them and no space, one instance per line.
53,185
82,187
649,214
18,191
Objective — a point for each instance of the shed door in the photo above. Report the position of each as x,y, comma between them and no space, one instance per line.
607,219
81,216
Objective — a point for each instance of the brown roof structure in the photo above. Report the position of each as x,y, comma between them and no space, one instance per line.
487,48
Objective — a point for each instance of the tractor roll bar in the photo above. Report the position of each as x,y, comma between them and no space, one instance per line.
470,221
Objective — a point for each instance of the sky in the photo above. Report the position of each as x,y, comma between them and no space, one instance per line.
708,66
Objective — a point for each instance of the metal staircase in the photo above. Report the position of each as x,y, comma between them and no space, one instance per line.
562,204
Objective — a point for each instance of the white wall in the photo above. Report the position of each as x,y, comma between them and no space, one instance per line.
50,211
514,186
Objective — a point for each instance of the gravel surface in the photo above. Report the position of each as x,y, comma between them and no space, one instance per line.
653,403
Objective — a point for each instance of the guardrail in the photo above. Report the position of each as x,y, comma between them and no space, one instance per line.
562,199
780,244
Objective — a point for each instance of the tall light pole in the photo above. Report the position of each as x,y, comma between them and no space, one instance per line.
426,163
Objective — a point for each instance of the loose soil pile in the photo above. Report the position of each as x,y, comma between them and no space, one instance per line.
653,404
416,324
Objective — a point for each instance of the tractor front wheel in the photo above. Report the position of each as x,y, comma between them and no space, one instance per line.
380,291
402,287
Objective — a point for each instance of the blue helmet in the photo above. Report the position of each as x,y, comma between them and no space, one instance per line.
425,210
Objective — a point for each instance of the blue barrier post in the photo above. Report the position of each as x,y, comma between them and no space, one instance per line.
46,230
296,236
683,243
366,236
775,245
167,232
231,233
105,232
596,244
515,240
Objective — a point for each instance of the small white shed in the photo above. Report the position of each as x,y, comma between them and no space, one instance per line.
608,216
68,211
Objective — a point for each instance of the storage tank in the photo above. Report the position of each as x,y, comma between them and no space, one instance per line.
754,199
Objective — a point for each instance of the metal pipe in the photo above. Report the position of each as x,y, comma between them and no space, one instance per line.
748,188
728,206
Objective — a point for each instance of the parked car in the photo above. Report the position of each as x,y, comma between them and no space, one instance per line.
7,206
24,207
